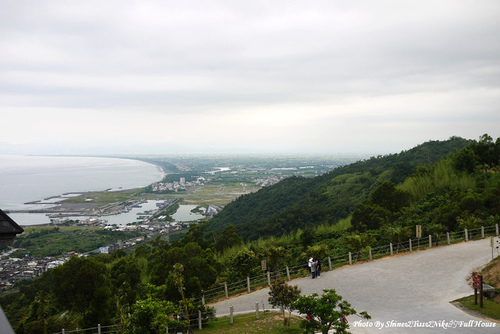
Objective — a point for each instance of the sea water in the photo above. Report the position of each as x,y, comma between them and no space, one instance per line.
25,179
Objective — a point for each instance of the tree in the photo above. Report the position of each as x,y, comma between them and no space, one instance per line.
179,282
401,171
38,316
153,314
485,150
435,230
469,223
283,296
227,239
275,255
242,265
198,233
465,160
358,242
388,197
125,278
317,251
397,234
307,236
81,285
370,216
326,312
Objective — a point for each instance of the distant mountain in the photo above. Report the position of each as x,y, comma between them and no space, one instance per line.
299,202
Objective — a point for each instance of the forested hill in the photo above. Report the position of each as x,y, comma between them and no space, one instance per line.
299,202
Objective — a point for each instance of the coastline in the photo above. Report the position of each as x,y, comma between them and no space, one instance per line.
64,204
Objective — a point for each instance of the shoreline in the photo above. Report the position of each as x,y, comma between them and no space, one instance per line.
61,206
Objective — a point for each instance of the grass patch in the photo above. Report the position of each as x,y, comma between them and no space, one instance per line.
490,308
108,196
40,242
218,194
269,322
212,193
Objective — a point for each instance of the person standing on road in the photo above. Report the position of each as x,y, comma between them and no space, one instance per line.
309,263
314,266
318,268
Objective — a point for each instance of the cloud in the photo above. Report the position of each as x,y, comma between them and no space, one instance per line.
249,76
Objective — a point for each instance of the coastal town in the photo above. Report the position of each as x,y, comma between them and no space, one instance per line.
91,212
14,269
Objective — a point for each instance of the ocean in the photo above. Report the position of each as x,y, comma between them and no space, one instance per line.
25,179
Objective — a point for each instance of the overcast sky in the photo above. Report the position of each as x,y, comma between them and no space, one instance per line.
246,76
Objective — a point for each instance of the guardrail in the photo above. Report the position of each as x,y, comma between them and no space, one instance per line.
329,263
261,281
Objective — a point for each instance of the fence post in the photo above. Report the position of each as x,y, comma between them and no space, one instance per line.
231,310
430,241
330,260
411,249
350,258
199,320
448,237
248,284
288,272
390,246
482,232
496,229
466,235
268,279
370,252
257,310
225,289
98,328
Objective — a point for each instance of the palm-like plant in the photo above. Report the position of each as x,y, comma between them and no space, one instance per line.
275,255
358,242
435,230
317,251
469,222
397,234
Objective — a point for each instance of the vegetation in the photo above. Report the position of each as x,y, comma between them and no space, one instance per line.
284,296
322,313
43,241
325,312
268,322
368,203
491,307
299,202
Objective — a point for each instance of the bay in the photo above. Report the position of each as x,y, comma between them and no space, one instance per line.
26,179
183,214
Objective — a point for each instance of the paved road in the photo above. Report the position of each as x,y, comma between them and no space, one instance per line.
413,290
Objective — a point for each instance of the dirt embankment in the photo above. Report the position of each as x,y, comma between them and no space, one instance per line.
491,275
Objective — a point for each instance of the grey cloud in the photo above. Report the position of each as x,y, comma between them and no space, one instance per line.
194,57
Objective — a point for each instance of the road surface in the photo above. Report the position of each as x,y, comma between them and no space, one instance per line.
413,290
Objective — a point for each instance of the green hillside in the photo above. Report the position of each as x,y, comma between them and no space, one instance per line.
299,202
152,287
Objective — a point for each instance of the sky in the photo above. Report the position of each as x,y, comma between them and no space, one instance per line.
326,77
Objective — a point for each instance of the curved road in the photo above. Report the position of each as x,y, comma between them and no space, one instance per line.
411,290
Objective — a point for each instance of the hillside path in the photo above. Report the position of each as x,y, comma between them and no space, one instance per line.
414,289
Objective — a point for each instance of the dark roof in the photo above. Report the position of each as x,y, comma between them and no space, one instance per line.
8,228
